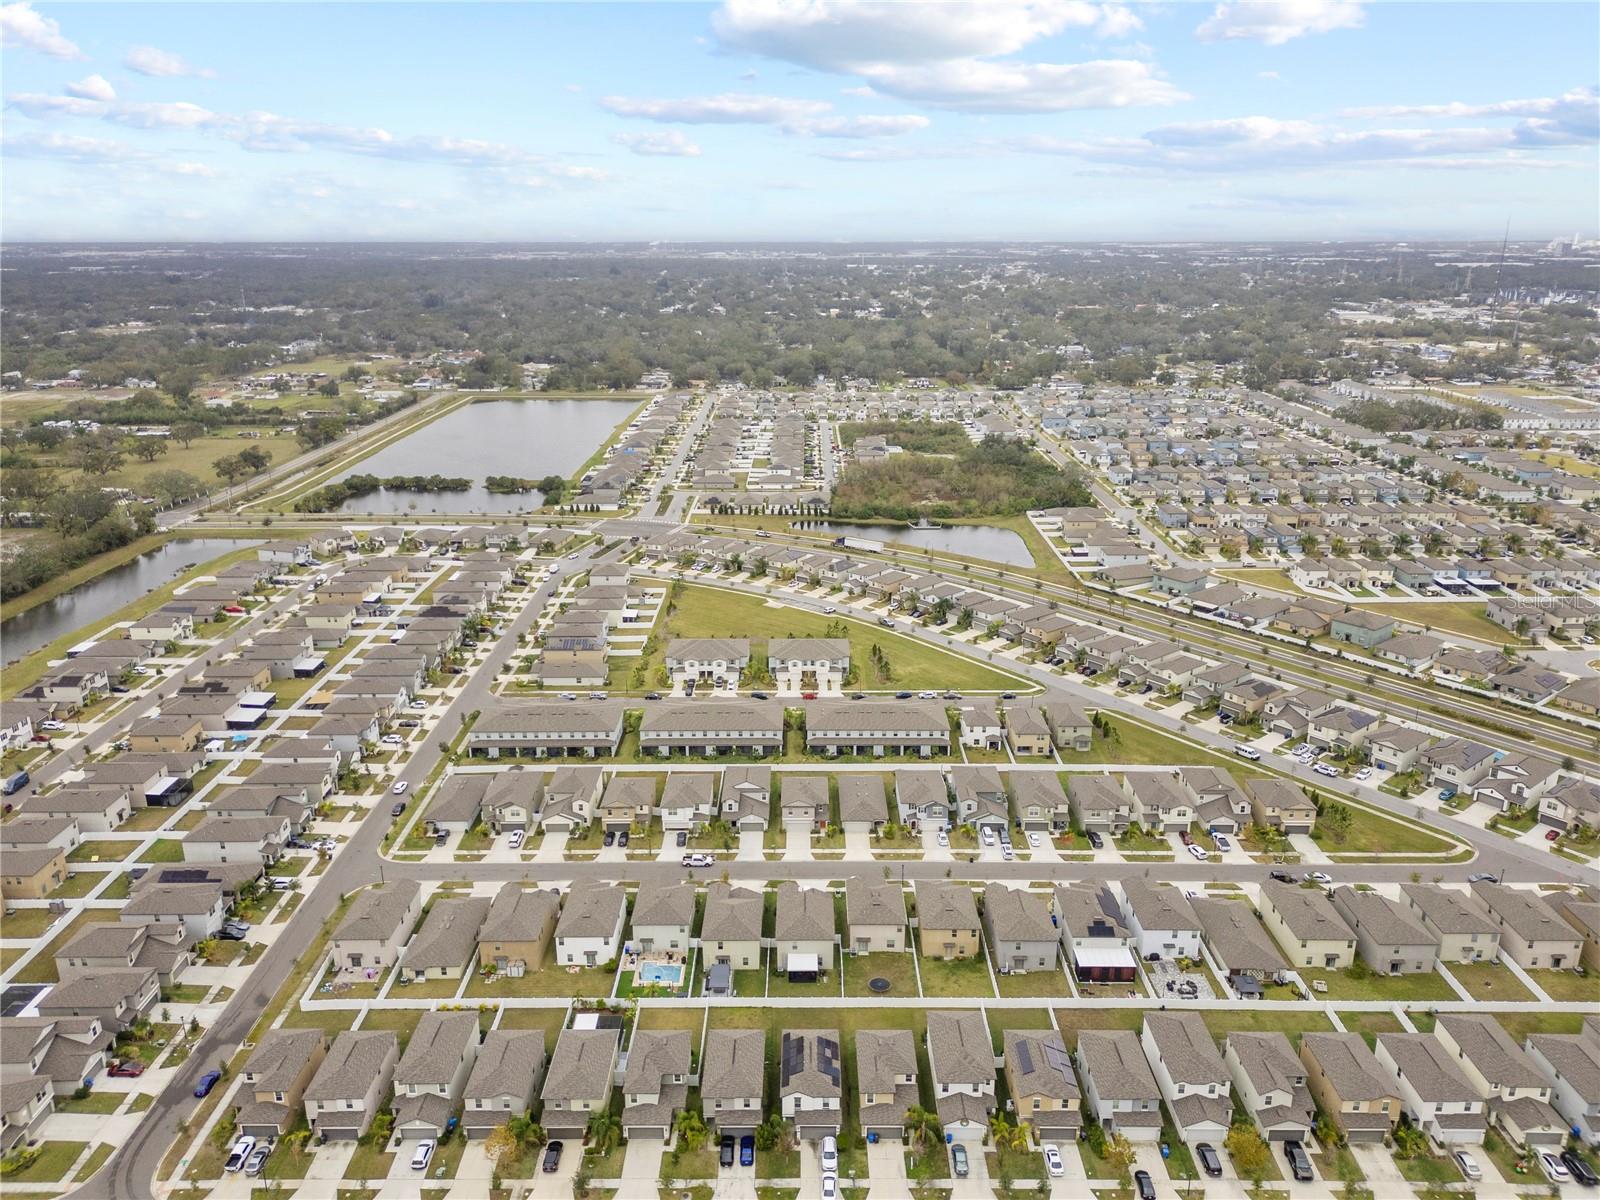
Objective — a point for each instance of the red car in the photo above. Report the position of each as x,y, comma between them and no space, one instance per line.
128,1069
808,695
232,608
1552,835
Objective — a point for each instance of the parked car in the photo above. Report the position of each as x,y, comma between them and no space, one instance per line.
958,1160
943,838
1364,773
1321,877
207,1082
1284,876
397,808
552,1157
1143,1184
1325,769
422,1155
610,839
240,1154
622,838
747,1151
257,1162
1034,841
1053,1163
1483,877
1222,842
830,1187
128,1068
1469,1165
1581,1171
1299,1162
1096,842
1554,1169
830,1154
725,1154
1209,1162
1552,835
399,789
514,842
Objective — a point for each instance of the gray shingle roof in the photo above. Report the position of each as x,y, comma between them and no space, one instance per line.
377,912
508,1060
1348,1064
436,1048
873,903
591,910
448,935
732,914
942,905
959,1047
1115,1061
580,1068
519,914
1185,1046
354,1060
735,1064
1017,915
804,914
861,798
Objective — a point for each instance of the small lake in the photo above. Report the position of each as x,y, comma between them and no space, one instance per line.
974,541
105,594
525,438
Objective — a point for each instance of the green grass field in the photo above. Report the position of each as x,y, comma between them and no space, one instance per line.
715,612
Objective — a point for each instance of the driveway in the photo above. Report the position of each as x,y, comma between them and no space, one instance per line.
329,1162
976,1185
796,841
1071,1182
558,1184
857,844
931,850
886,1164
1148,1158
641,1166
752,845
1308,850
553,848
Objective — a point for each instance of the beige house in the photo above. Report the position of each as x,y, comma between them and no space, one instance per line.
1531,934
875,914
1350,1085
1043,1086
947,921
273,1083
1307,927
31,872
516,932
1464,933
1280,804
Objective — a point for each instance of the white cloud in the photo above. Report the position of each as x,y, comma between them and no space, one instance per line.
729,108
859,127
163,64
946,55
1008,87
845,35
194,169
71,147
1573,116
21,26
1278,21
1268,75
667,143
92,87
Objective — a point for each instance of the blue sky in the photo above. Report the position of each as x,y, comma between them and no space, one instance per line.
816,119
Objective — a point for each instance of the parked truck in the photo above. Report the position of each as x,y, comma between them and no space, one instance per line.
855,543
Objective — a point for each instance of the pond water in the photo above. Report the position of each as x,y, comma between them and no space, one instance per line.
974,541
104,594
525,438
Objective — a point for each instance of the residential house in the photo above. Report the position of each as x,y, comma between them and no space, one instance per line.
981,799
1120,1089
376,927
663,917
746,796
875,914
730,930
1514,1086
589,931
1040,801
1099,805
961,1066
1270,1080
687,801
810,1067
947,920
1041,1085
1531,934
1465,934
1021,935
1389,938
505,1077
1307,926
1280,804
804,935
886,1081
577,1083
1436,1095
1097,943
432,1073
516,931
1239,943
862,806
1160,920
1350,1085
350,1086
655,1085
1572,1062
1193,1079
803,801
732,1079
117,999
923,799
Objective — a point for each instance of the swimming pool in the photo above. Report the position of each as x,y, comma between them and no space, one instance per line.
666,974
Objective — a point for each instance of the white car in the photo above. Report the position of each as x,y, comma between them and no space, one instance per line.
1198,851
515,840
51,726
830,1155
1469,1165
1249,752
393,739
1053,1163
239,1154
1325,769
1554,1169
399,789
830,1187
1321,877
927,695
830,609
1364,773
1007,853
988,836
418,705
944,838
1222,842
1034,841
421,1156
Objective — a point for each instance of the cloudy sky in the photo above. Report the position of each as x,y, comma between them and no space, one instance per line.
800,119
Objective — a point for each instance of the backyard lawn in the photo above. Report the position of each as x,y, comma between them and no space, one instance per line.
1489,981
101,850
895,966
1351,985
955,977
715,612
1566,985
1371,832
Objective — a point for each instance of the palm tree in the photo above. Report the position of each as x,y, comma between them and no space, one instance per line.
921,1125
604,1130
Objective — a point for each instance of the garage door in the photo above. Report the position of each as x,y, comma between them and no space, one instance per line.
338,1135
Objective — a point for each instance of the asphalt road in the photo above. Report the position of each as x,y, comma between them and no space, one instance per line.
130,1173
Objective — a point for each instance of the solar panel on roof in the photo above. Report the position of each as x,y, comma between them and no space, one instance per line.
1058,1058
828,1059
1024,1057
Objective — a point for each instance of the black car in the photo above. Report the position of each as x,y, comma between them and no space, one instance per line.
1581,1171
1283,876
622,838
1209,1162
652,695
1096,841
1299,1163
610,839
552,1158
902,695
858,695
1008,695
725,1155
398,807
759,696
683,837
1143,1184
